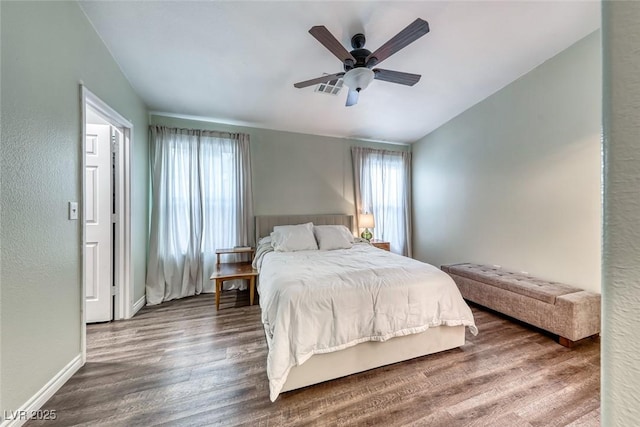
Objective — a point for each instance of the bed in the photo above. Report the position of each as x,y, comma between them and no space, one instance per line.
333,313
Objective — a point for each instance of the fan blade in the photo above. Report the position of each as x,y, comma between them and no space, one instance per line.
407,79
352,98
323,35
411,33
322,79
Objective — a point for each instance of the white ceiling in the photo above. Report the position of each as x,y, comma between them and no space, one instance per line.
236,62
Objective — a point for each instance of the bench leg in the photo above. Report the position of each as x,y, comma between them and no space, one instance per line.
218,291
570,344
566,342
252,288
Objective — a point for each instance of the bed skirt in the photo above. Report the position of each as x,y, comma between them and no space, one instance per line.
373,354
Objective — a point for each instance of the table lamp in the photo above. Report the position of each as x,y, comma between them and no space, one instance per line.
366,221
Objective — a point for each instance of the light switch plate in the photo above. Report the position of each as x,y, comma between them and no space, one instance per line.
73,210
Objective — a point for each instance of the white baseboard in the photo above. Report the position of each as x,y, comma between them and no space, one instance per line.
138,305
40,398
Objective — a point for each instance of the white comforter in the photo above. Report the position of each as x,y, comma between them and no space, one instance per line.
322,301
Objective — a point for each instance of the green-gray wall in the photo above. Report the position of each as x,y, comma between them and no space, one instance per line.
47,49
515,180
292,172
621,240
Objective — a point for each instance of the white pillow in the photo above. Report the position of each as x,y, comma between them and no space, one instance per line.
331,237
291,238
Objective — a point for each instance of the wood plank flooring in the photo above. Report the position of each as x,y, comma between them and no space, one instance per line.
183,364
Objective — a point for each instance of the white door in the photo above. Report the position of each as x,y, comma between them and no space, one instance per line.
97,211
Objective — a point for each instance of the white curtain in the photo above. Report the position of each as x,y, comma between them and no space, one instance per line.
382,181
201,201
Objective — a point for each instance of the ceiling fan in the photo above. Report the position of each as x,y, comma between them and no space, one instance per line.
358,64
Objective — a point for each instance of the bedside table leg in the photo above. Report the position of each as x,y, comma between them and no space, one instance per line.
218,290
252,289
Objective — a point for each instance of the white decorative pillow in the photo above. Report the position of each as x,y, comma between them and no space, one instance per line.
291,238
331,237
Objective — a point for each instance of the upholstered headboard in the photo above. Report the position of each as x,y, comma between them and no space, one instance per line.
265,223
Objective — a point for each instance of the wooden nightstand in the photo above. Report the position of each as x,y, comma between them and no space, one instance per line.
231,271
234,270
381,244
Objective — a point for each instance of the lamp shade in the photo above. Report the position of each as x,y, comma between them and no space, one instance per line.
366,221
358,78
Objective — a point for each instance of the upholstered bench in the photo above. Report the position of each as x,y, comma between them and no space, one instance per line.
563,310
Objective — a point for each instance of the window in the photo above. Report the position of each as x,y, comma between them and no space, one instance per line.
201,201
382,183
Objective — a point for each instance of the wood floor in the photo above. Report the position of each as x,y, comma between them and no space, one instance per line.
183,364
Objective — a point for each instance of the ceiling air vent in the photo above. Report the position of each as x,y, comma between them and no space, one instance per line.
332,87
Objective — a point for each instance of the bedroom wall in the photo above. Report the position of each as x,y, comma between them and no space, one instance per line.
47,49
292,172
515,180
621,251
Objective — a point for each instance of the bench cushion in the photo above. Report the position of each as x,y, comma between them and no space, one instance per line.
520,283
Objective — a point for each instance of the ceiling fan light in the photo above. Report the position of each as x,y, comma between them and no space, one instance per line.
358,78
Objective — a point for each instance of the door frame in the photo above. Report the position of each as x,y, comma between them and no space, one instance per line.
123,307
